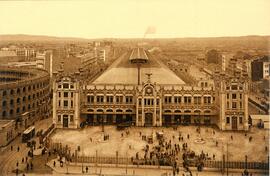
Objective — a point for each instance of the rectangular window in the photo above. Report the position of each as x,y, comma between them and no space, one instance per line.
140,102
168,99
234,87
90,99
240,96
234,96
119,99
197,100
71,118
59,118
109,99
207,100
241,120
240,105
59,94
228,120
65,103
234,105
157,101
65,94
228,105
59,86
177,99
129,99
228,96
65,86
187,100
71,103
100,99
59,103
71,94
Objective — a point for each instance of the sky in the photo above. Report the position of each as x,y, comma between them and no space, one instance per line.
131,18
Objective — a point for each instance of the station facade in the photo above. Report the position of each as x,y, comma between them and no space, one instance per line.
225,104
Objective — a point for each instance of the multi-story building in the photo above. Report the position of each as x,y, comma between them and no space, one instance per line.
24,90
159,99
260,68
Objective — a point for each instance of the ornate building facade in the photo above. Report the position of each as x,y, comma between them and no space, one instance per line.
151,104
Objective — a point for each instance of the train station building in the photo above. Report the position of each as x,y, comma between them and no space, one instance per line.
139,90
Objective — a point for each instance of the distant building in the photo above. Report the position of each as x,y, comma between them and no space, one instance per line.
213,56
102,55
260,68
40,60
26,53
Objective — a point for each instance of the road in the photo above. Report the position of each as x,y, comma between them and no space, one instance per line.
8,158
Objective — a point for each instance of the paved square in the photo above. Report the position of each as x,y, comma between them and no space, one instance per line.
91,140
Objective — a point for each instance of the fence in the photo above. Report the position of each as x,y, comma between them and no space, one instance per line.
73,157
236,165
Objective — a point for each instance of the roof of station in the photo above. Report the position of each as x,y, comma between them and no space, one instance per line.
122,71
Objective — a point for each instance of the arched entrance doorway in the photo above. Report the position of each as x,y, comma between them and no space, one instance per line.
177,117
187,117
234,123
90,119
167,118
129,116
148,119
109,116
119,116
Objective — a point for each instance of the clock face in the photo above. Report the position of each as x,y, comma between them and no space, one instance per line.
149,90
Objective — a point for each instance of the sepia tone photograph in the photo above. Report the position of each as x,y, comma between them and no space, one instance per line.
134,87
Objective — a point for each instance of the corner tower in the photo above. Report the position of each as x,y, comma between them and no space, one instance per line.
232,100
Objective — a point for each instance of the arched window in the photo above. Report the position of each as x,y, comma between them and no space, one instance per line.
29,107
11,102
197,111
4,114
24,98
18,91
4,103
11,92
24,89
119,110
99,110
109,110
11,112
18,100
18,110
129,110
4,93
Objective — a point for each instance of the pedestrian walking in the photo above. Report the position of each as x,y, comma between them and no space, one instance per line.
17,164
23,160
11,147
54,163
86,169
18,148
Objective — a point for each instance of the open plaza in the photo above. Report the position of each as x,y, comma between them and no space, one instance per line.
129,142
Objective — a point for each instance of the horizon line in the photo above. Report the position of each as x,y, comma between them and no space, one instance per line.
90,38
